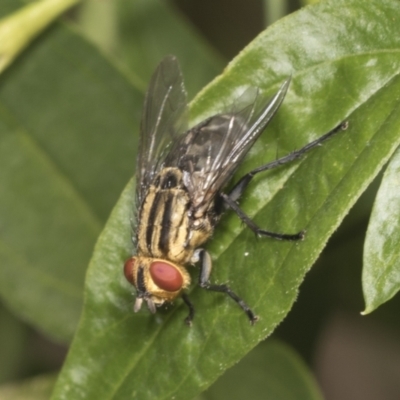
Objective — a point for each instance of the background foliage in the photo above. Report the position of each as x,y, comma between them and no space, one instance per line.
70,107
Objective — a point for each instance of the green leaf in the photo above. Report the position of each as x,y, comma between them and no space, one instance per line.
66,152
344,60
142,32
271,371
381,272
19,29
8,6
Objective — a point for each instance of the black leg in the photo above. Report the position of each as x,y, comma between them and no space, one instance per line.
226,289
205,271
189,318
240,187
257,230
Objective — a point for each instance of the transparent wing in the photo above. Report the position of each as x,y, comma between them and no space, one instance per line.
163,120
209,153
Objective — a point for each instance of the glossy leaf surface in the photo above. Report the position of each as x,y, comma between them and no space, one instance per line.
344,60
381,273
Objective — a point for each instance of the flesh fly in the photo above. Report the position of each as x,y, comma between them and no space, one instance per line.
181,176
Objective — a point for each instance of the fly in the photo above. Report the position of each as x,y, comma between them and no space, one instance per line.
181,176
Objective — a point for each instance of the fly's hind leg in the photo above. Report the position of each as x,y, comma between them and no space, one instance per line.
256,229
231,198
240,187
205,272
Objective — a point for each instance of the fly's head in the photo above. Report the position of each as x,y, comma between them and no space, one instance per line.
156,280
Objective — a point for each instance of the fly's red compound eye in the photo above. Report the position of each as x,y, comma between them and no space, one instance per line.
128,269
166,277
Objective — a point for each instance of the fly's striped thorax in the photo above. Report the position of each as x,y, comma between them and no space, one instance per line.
164,229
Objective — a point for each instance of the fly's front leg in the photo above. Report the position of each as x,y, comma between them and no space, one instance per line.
256,229
205,272
240,187
189,318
